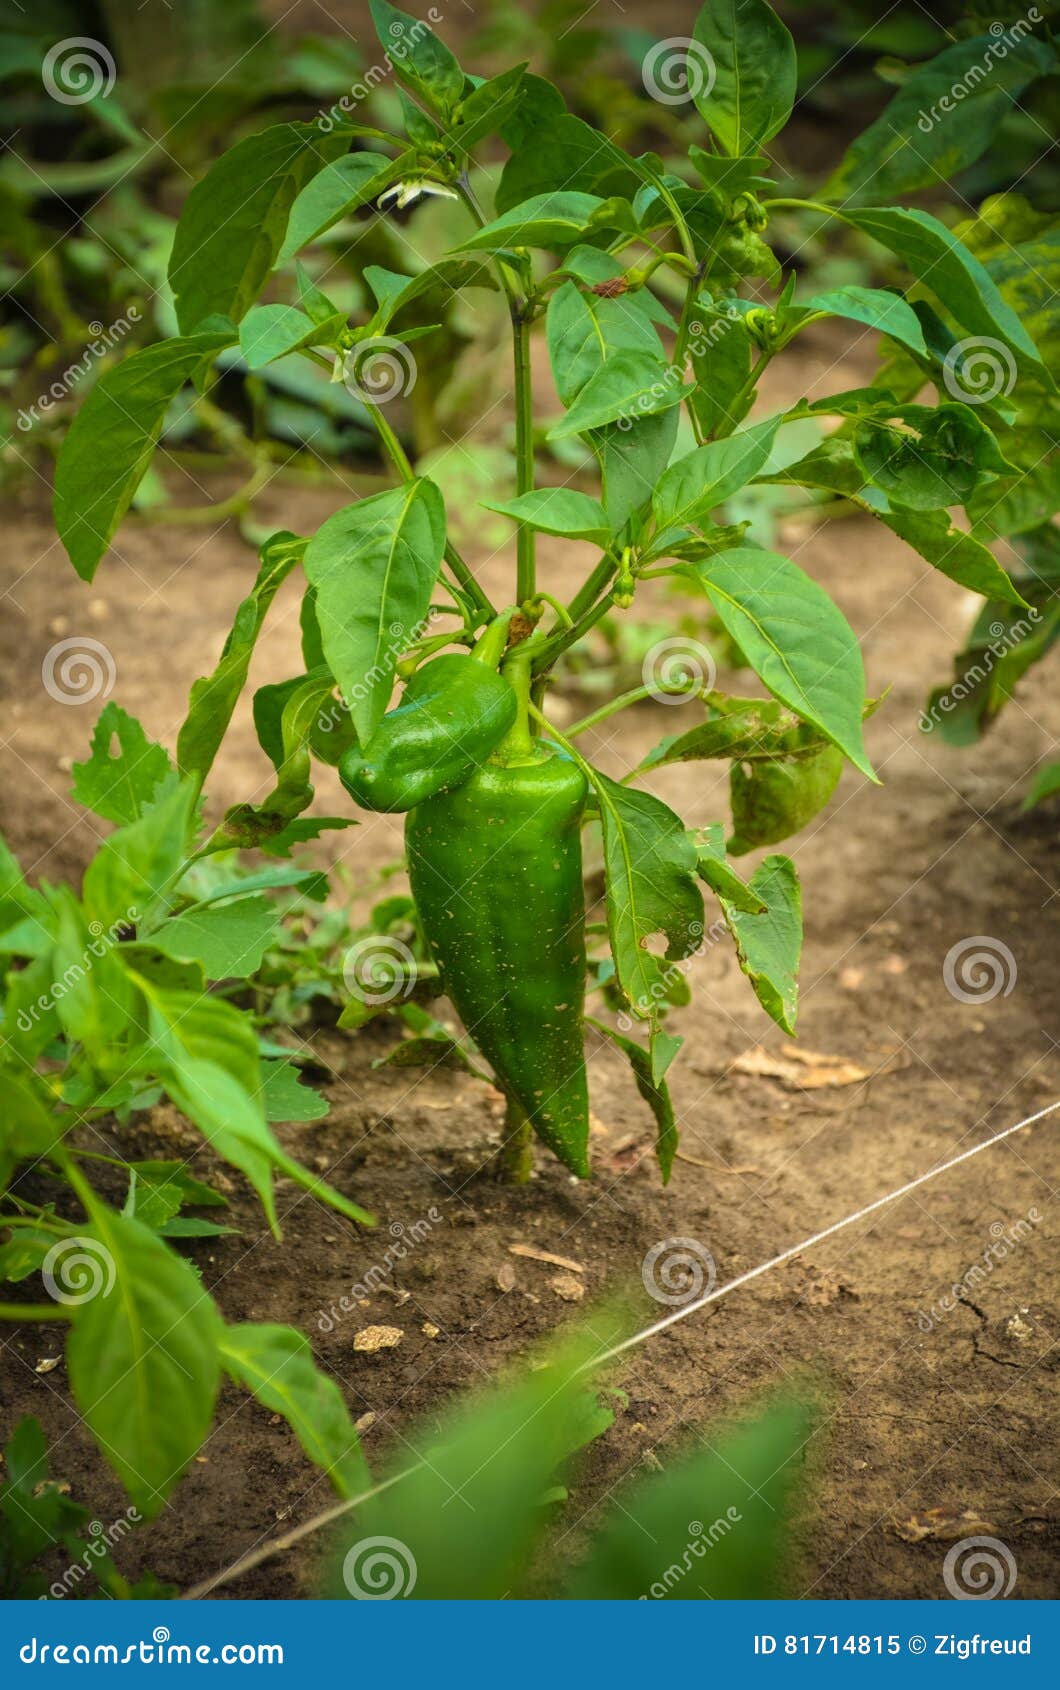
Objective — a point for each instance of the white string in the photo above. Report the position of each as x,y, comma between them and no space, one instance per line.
278,1545
808,1243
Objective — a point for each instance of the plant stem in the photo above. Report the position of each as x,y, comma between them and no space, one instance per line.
526,566
735,415
585,597
556,644
515,1158
395,451
627,698
520,311
33,1312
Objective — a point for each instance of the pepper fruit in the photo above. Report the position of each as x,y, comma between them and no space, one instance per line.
453,712
496,872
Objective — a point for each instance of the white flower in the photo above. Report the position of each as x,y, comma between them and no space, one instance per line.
406,193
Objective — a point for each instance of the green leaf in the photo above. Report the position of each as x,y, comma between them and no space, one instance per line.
499,1453
27,1128
548,220
584,332
714,869
794,637
721,362
135,866
768,946
964,559
557,510
276,1364
341,188
953,552
942,118
26,919
123,785
228,940
943,263
650,869
745,89
561,153
112,438
628,386
206,1053
286,1098
25,1251
776,797
717,1524
159,1190
655,1092
694,485
632,460
890,313
1045,785
94,999
937,457
485,109
270,825
214,696
374,565
234,220
143,1358
417,57
268,332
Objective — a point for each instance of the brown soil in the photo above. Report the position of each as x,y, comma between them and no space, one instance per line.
960,1417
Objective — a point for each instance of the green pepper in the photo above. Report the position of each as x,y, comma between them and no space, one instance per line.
496,872
454,711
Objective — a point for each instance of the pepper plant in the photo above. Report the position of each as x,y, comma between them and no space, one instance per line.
662,302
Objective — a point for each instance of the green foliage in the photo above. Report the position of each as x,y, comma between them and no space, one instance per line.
664,293
716,1523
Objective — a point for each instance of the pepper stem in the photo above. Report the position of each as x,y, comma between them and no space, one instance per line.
515,1158
518,743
